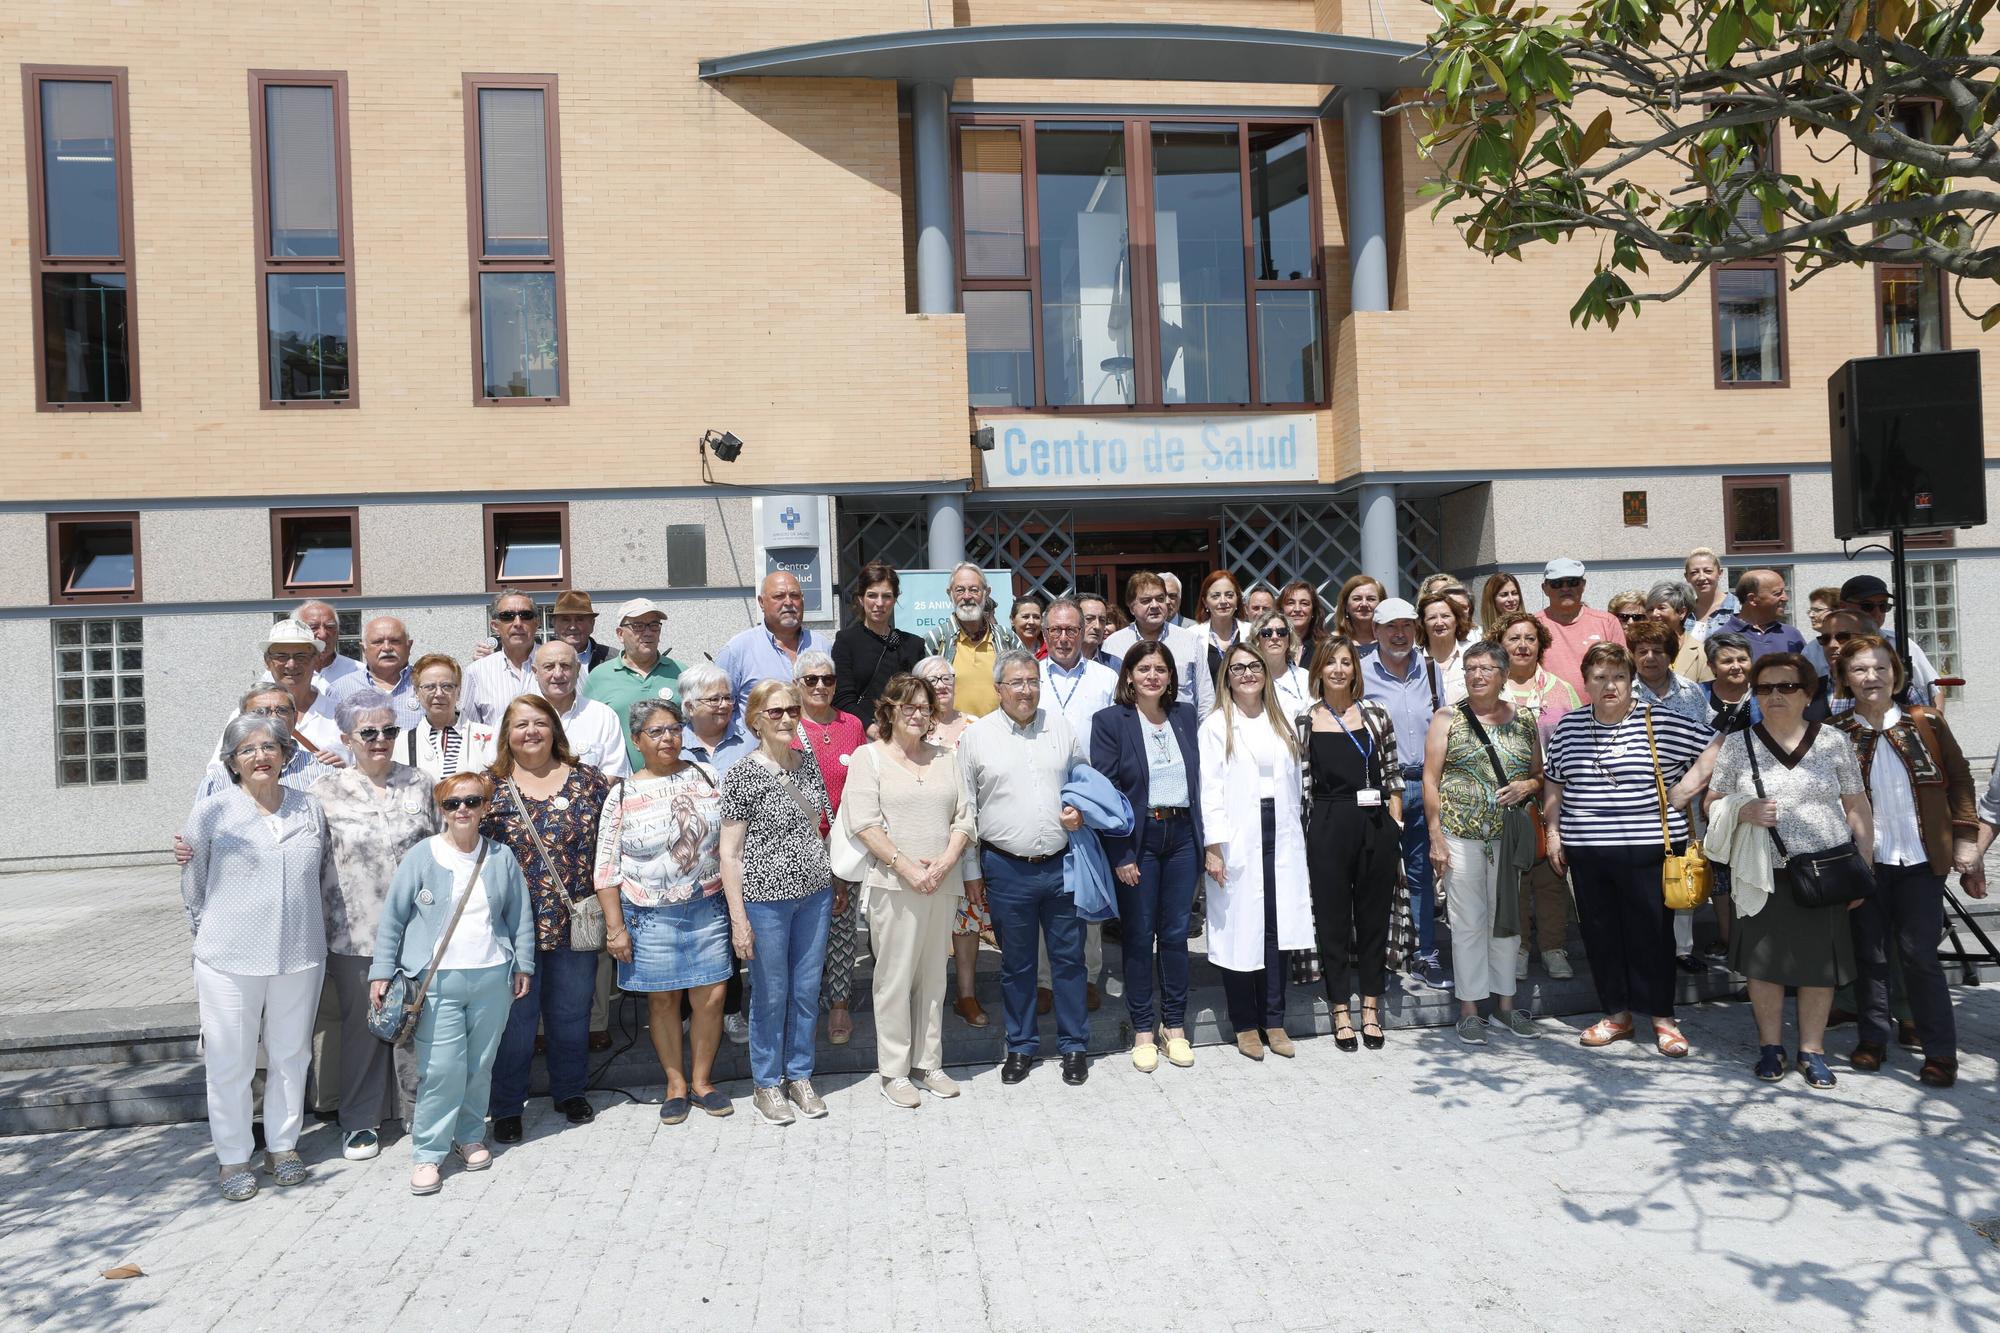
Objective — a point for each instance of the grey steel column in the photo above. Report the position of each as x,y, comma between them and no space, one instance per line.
945,511
1367,240
1380,554
937,272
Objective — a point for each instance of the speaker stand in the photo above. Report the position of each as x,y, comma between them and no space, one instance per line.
1899,583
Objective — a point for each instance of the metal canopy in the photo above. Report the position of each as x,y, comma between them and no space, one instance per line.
1175,52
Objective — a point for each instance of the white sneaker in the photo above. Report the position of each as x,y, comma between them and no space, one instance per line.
737,1026
901,1092
1521,966
361,1145
1557,962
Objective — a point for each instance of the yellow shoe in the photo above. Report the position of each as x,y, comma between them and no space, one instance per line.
1180,1052
1146,1057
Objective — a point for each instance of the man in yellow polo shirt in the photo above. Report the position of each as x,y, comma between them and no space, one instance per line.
972,641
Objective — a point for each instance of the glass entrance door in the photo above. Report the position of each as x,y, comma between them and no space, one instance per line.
1109,553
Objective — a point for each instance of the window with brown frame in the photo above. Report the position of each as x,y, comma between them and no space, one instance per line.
514,215
527,546
1756,515
315,552
80,238
304,246
1140,263
94,558
1911,313
1748,295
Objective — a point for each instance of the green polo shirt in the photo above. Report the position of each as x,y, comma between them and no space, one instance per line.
615,684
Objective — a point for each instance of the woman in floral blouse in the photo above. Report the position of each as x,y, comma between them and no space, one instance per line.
545,811
660,883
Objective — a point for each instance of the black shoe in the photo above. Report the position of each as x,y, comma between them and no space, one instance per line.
1016,1066
506,1129
1076,1067
577,1111
1688,963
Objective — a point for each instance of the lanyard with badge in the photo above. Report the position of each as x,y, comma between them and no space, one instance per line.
1368,797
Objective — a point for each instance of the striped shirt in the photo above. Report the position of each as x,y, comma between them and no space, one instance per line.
1608,795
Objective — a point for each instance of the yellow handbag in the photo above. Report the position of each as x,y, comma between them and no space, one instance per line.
1685,879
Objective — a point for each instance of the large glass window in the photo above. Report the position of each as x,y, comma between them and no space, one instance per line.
79,190
515,203
304,254
1749,323
1140,264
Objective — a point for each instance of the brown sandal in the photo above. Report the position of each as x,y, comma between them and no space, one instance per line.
1670,1042
1603,1032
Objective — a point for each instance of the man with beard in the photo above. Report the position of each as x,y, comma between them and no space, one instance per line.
973,641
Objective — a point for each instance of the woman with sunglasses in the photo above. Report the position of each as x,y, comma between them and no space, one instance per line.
487,965
375,812
1803,781
775,810
659,879
1274,638
831,737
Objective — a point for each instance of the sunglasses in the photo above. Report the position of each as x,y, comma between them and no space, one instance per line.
516,615
1776,687
1877,604
815,681
372,734
451,803
775,713
1838,636
1275,632
1632,617
1564,583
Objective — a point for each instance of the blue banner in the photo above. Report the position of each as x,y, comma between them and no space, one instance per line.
923,605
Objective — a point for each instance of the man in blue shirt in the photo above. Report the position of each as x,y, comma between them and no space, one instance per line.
1406,683
768,650
1761,618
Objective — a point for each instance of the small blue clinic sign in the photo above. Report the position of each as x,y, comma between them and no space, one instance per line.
1151,451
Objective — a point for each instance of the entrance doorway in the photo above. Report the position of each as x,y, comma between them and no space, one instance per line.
1109,553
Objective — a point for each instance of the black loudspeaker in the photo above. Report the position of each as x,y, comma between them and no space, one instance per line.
1908,448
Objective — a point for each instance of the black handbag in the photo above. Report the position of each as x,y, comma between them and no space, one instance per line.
1832,878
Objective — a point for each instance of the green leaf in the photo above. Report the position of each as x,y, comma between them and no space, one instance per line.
1723,37
1990,318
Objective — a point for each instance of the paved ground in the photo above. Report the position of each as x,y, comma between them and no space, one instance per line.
1427,1186
130,918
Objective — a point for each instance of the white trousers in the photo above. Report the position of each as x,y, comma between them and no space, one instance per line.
1481,965
910,935
1093,956
234,1010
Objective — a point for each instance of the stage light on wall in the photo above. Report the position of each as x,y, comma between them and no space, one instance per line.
723,444
982,439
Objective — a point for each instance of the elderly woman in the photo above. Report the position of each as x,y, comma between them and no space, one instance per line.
871,651
1926,820
1275,638
1299,601
444,741
1500,597
1354,611
1628,606
1803,782
1528,685
1608,828
545,811
1260,903
1445,626
481,938
910,810
1482,771
973,921
775,872
713,736
1654,647
261,865
375,811
1667,602
1731,707
831,737
659,880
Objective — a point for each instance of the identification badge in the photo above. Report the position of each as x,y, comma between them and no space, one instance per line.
1368,798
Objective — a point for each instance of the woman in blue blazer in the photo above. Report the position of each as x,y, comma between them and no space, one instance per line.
1145,742
484,969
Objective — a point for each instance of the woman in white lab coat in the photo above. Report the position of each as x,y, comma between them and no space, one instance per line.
1259,900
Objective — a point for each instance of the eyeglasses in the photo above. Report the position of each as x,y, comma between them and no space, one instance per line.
438,687
1877,604
291,659
913,710
252,751
285,711
1244,670
1787,687
774,714
451,803
516,615
1632,617
372,734
938,682
1275,632
816,681
656,733
640,626
1564,583
1022,686
712,700
1061,631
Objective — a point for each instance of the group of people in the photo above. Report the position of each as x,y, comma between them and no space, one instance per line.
1311,790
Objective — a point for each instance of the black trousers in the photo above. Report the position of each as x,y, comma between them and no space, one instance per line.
1628,932
1257,999
1907,908
1353,886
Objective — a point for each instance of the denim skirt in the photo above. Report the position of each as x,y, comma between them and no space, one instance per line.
677,947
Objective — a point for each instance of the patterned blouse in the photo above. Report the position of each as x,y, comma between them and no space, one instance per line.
371,827
567,822
784,854
656,839
1467,789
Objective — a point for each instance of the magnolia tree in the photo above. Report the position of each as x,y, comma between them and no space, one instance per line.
1646,127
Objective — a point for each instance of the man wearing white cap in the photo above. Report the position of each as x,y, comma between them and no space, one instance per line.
641,671
1407,683
1573,627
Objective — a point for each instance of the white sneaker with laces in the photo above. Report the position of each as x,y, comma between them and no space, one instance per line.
1557,962
1521,965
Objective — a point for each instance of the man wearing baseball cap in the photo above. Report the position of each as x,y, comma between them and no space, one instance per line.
639,672
1870,596
1573,627
1407,683
574,621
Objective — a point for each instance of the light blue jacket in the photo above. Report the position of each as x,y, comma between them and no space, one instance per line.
1086,872
410,926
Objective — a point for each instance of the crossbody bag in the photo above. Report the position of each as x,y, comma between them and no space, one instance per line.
1832,878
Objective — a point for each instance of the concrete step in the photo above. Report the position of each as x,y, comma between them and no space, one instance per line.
167,1032
100,1096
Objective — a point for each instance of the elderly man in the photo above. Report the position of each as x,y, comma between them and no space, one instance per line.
301,770
1761,617
385,651
289,653
1096,629
1409,686
443,741
1174,616
770,649
1078,687
595,733
1869,596
972,641
1146,596
638,672
1573,627
497,679
324,622
575,621
1014,763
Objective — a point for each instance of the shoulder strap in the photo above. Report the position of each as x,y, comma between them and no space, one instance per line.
410,743
1493,755
1757,781
1431,677
471,887
1659,783
535,835
810,809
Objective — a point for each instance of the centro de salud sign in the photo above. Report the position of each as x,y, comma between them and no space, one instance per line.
1151,451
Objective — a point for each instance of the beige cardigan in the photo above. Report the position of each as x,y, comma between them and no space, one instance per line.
919,817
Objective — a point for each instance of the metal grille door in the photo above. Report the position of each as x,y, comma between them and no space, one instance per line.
1281,541
1039,545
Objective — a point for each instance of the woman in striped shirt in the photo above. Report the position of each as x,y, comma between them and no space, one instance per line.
1602,805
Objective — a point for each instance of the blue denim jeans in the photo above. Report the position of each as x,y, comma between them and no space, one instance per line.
1154,914
790,952
1417,864
559,996
1027,902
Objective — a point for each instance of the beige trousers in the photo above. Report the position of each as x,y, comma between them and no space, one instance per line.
910,935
